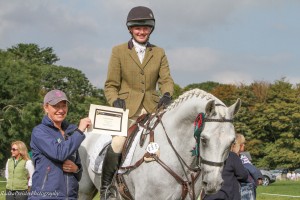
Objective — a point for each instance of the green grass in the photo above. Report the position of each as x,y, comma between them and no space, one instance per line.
2,188
97,197
279,187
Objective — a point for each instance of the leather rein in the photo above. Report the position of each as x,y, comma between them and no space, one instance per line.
188,185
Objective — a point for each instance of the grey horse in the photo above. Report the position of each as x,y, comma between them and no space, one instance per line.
182,163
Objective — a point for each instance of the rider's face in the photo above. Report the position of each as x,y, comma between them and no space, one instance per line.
140,33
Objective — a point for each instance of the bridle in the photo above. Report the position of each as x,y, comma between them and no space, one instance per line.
212,163
188,184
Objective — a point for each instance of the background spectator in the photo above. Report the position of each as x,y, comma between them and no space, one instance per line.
248,189
18,172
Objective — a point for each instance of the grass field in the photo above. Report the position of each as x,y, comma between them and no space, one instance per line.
280,190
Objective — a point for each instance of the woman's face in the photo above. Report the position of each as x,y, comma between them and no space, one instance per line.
141,33
15,152
58,112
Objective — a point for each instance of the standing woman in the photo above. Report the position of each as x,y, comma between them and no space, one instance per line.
18,172
54,145
248,188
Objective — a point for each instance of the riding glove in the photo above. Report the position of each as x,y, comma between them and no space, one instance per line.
165,100
119,103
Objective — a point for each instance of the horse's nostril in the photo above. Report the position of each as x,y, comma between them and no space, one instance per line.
204,183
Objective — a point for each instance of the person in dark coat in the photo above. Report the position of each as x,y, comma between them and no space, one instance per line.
233,172
248,189
54,145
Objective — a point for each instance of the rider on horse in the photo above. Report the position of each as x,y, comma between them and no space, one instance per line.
135,69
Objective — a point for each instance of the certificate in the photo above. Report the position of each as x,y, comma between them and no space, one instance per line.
108,120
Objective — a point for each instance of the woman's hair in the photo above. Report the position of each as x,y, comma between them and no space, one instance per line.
22,149
239,140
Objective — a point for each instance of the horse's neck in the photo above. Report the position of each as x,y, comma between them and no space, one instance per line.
187,110
178,125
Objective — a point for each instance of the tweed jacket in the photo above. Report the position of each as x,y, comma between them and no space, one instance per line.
137,82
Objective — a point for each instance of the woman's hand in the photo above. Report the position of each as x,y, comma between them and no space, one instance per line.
84,124
69,166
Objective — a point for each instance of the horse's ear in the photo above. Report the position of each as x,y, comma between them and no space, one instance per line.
210,108
235,107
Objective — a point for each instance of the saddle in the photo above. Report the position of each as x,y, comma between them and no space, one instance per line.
131,134
148,123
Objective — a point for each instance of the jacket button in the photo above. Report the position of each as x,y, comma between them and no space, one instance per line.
142,82
142,72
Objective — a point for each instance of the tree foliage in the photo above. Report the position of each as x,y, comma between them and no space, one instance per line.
33,54
269,119
207,86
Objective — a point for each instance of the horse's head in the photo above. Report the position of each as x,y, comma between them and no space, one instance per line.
215,135
215,140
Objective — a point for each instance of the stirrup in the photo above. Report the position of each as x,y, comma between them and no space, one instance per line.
111,193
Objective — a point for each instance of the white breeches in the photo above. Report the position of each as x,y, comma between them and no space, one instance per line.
117,142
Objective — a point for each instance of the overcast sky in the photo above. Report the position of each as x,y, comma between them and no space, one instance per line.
227,41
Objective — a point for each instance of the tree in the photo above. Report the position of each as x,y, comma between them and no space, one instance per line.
177,91
273,120
206,86
19,87
33,54
77,87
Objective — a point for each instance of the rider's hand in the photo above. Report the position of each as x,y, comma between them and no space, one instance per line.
119,103
165,100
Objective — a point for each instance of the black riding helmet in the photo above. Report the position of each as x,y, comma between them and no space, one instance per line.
140,16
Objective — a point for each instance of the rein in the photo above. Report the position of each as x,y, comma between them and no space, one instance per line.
187,185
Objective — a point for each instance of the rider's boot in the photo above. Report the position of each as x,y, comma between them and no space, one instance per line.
111,163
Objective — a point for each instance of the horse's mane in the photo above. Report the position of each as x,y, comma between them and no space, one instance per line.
198,93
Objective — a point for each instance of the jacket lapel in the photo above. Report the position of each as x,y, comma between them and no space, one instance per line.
135,57
148,56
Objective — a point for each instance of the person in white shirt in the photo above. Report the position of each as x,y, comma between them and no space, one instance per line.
289,175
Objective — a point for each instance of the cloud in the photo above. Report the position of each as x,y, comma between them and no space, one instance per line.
91,61
232,77
203,39
193,59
